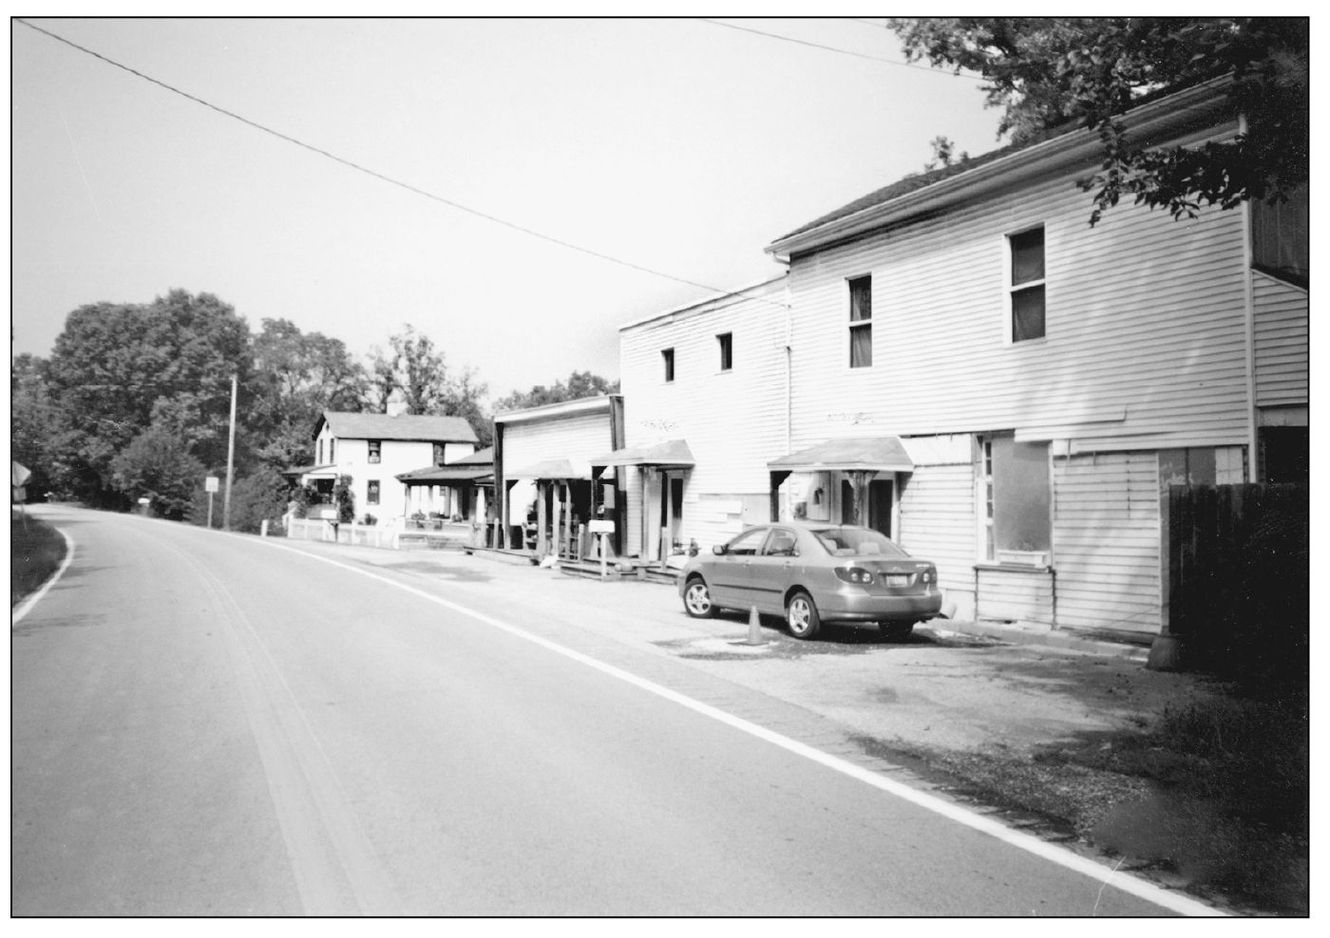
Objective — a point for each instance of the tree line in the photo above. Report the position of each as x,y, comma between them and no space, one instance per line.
134,401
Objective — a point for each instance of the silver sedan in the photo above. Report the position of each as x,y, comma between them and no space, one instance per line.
813,573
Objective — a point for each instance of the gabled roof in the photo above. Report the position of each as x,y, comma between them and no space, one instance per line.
1151,120
407,427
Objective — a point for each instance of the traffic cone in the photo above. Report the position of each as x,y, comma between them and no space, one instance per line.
754,629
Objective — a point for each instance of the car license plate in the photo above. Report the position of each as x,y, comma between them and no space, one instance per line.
898,579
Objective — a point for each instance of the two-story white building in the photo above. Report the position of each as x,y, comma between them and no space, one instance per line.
969,366
705,387
374,449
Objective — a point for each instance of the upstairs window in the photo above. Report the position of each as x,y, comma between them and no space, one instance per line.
332,450
1027,285
861,322
320,459
1279,237
375,450
667,356
440,452
726,343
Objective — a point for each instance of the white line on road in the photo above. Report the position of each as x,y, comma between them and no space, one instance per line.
1127,883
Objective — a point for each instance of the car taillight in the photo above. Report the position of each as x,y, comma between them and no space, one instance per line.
928,576
855,575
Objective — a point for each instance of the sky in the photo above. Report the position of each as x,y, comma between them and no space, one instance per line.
682,146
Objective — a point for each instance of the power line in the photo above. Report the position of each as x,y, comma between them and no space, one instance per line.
818,45
377,175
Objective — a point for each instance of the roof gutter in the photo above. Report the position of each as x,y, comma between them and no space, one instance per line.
1151,122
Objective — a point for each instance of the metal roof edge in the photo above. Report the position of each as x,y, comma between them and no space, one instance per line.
1040,157
557,409
697,304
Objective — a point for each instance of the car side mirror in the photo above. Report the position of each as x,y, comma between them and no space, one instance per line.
718,550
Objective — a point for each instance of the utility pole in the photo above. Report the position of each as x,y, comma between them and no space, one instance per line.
230,459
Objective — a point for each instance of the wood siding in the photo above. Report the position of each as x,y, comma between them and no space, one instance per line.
578,437
1281,342
938,523
1107,542
733,421
1146,328
1014,594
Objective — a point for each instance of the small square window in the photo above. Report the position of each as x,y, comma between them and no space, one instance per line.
667,356
375,450
861,322
1027,285
726,342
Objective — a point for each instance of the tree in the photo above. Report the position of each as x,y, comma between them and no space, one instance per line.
414,369
417,373
297,376
944,154
264,493
35,424
1047,72
157,465
119,369
580,384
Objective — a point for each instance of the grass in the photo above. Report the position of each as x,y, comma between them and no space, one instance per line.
35,552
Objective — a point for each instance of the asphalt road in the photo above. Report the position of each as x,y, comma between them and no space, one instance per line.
214,724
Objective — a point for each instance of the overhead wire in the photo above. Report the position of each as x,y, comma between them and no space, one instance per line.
382,177
818,45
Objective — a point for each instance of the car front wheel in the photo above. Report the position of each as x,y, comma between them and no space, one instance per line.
697,599
801,616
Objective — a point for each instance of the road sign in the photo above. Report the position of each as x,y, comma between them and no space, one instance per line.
211,484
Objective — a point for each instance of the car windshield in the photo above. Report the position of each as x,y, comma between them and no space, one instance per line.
851,541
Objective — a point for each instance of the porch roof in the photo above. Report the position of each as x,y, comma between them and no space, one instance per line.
868,453
553,469
432,475
671,453
312,472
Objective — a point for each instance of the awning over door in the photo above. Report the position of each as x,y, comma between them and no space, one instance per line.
553,469
672,454
445,475
863,453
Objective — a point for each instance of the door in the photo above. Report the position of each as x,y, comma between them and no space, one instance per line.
880,495
732,572
773,570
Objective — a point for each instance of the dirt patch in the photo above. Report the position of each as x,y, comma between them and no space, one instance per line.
1195,787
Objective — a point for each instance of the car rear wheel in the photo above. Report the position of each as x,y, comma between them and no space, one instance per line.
697,599
801,616
896,631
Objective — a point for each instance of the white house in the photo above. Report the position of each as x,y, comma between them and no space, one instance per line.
374,449
969,366
1022,387
705,387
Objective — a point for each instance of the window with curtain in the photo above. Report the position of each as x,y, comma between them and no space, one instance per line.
1027,285
372,492
1279,236
861,322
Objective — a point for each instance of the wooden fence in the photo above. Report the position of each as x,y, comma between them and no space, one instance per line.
1238,572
